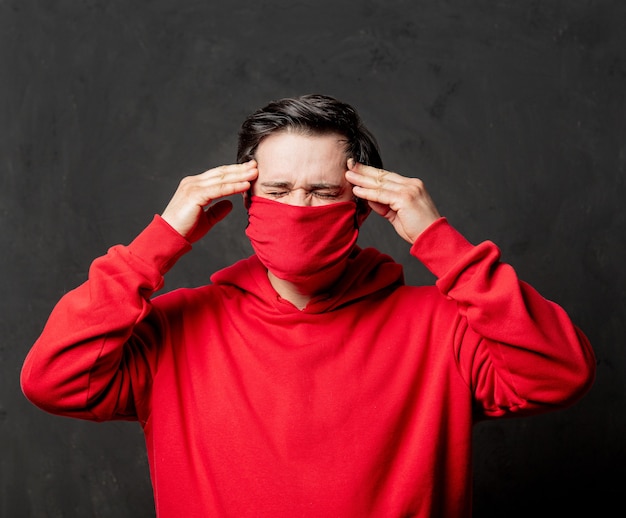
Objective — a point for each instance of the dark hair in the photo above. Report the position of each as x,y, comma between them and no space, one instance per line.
309,114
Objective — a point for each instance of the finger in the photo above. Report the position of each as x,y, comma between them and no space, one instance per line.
225,175
230,170
375,195
372,177
385,192
379,208
217,212
218,183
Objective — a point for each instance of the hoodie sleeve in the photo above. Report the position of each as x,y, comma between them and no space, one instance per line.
98,350
519,352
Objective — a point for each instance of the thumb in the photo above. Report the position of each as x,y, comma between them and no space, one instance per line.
379,208
209,217
218,212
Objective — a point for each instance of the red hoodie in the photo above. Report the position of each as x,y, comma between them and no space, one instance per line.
360,405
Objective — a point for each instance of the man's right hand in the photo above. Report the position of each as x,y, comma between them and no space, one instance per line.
189,211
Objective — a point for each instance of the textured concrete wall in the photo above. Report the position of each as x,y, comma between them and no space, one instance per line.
513,113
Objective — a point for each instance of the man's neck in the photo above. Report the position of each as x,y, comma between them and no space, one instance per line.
289,291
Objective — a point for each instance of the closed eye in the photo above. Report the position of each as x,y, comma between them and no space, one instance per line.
325,195
320,191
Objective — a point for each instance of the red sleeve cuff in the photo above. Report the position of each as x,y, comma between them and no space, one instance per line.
440,247
159,245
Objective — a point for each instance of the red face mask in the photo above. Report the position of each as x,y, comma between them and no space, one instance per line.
307,246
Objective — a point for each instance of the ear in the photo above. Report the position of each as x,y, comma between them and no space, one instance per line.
246,199
362,211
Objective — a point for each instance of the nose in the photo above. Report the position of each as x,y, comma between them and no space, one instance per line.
299,198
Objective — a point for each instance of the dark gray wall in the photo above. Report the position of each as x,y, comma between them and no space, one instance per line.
513,112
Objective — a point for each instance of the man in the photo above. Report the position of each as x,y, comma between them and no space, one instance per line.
307,380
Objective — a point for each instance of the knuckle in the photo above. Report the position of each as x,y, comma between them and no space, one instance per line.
407,196
219,173
186,182
417,187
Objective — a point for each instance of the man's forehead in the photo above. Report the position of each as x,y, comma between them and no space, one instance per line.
284,145
289,159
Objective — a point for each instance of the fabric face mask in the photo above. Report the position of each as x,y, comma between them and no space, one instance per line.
307,246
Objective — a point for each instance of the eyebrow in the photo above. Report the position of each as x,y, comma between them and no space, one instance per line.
313,186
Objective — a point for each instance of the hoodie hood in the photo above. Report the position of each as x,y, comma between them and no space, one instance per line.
369,271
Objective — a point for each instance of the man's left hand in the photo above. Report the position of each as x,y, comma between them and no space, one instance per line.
402,201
